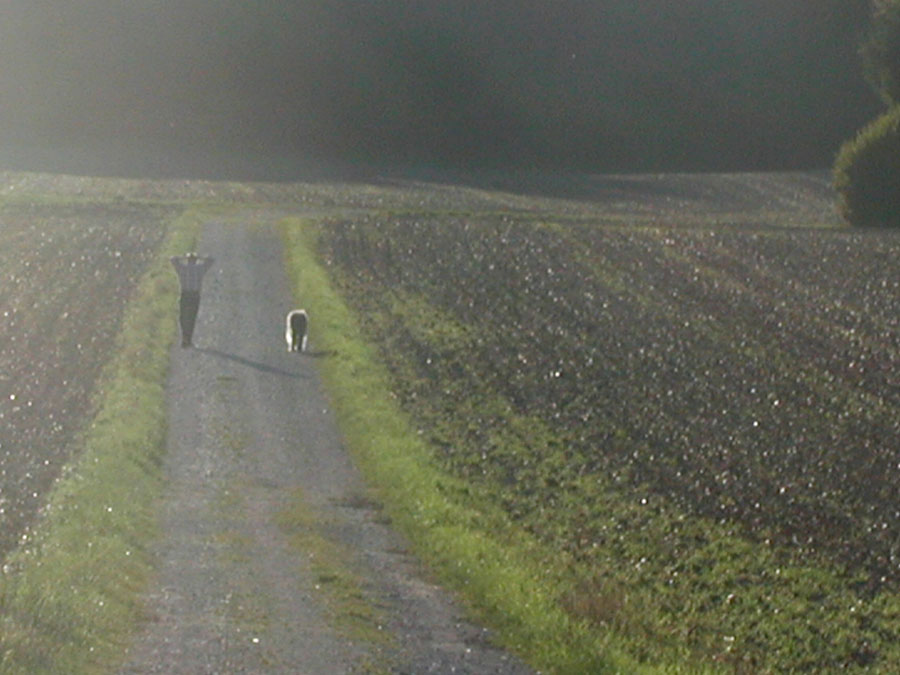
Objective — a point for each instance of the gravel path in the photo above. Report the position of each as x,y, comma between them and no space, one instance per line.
251,433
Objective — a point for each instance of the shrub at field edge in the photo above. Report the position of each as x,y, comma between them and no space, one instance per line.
867,174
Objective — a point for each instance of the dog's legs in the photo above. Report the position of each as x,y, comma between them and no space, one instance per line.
295,330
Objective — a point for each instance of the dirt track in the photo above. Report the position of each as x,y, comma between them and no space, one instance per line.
250,431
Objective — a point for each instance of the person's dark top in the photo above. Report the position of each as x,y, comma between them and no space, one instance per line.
190,269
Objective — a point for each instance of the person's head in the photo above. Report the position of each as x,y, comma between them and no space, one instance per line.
192,257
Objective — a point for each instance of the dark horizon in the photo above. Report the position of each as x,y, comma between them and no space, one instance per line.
233,90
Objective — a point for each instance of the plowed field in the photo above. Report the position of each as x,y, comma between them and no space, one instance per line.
679,354
67,272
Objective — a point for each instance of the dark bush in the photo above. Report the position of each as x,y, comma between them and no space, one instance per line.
867,174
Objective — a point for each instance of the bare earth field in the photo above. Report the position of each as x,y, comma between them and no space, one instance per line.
715,345
67,272
694,396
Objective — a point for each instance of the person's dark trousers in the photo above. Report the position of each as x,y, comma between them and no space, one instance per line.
190,304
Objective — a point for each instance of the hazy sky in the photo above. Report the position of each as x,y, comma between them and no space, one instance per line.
614,84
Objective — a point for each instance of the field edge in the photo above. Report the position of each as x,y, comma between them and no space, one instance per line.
69,595
503,576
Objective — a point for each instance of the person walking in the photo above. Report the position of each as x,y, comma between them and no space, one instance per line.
190,269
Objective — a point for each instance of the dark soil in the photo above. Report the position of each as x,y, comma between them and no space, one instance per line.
67,274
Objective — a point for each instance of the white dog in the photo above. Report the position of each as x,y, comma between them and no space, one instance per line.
296,330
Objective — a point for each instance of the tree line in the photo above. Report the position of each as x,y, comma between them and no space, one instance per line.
607,85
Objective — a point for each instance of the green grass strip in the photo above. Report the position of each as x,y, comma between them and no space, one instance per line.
507,581
69,596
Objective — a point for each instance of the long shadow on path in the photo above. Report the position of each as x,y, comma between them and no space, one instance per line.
256,365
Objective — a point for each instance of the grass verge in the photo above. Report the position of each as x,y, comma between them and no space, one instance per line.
69,594
506,579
